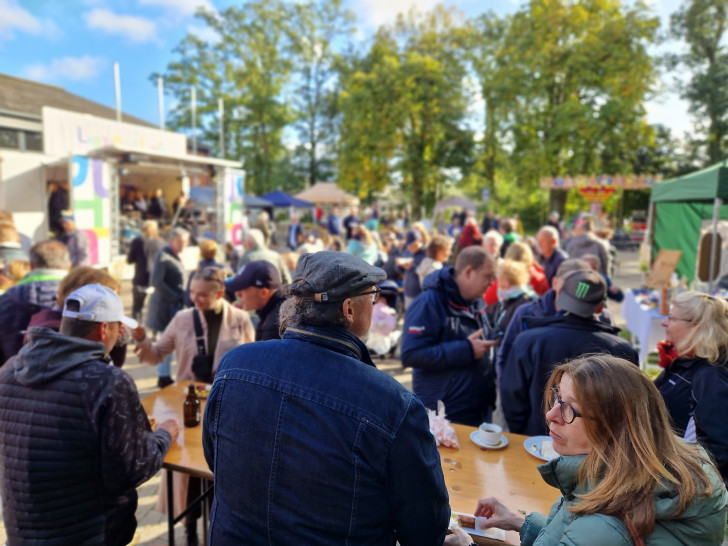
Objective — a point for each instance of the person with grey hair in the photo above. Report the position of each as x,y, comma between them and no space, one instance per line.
168,280
142,251
256,249
343,451
585,241
49,264
549,254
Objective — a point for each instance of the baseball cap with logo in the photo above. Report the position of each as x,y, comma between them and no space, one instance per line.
583,292
260,273
96,303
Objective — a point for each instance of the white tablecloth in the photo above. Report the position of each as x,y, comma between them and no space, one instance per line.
644,323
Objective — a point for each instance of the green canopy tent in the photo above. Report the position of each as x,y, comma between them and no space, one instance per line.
678,208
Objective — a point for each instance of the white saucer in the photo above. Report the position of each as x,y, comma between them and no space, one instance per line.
475,437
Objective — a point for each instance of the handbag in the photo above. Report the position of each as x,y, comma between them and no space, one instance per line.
201,362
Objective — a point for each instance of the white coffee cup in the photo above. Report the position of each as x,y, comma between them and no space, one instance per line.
490,434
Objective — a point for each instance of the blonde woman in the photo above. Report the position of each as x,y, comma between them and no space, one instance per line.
513,291
625,477
694,383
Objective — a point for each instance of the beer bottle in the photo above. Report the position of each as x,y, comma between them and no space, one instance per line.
192,408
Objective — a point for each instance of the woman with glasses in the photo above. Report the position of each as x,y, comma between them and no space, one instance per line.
224,327
694,383
625,478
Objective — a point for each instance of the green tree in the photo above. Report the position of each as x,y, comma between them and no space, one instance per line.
404,108
702,25
247,66
316,29
578,74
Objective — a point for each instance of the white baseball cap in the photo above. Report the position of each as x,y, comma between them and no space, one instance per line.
97,303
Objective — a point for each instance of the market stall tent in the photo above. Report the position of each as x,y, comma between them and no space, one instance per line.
279,198
684,209
327,193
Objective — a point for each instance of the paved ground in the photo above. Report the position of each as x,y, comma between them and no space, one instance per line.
152,529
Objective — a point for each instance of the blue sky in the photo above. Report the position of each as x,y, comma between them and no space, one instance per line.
74,43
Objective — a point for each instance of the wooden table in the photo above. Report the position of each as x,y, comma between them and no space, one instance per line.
471,473
185,455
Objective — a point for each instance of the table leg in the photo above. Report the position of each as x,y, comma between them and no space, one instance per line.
170,507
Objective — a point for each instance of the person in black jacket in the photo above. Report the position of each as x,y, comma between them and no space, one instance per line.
551,341
75,441
694,383
445,339
257,287
142,252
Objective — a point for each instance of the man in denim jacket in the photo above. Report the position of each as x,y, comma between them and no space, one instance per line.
309,442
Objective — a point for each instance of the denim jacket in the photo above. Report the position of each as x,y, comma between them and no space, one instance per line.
311,444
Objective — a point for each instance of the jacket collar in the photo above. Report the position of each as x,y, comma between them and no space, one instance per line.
275,299
561,474
334,338
573,322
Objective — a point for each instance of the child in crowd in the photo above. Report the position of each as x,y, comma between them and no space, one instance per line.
438,252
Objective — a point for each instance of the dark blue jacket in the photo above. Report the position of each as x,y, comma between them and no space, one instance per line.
551,264
75,443
311,444
549,342
34,292
168,280
435,344
692,387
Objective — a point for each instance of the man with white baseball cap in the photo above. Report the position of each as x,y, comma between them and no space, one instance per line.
75,441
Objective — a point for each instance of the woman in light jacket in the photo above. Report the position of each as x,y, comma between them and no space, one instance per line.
224,327
625,477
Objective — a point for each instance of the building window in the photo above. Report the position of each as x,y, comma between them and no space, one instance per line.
33,141
9,138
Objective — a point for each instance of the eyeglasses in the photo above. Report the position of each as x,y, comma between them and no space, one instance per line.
568,413
673,319
374,293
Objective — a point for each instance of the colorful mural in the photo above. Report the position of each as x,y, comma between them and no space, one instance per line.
91,204
233,214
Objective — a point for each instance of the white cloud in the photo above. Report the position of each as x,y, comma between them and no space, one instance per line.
14,18
204,33
66,68
186,7
379,12
136,29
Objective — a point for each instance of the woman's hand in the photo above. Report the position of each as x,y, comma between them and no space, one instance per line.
499,515
458,538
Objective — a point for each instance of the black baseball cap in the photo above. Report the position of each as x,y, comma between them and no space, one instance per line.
260,273
583,292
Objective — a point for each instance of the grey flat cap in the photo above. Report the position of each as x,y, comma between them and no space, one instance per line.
333,276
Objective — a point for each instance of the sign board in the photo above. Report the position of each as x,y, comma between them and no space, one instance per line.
70,132
663,268
233,189
627,181
486,196
91,204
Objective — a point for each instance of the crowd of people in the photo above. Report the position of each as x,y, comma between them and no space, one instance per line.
498,326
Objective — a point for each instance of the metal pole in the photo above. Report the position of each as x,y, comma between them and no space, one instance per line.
221,113
160,97
193,100
714,241
117,90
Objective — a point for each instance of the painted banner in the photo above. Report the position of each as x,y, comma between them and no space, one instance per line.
627,182
70,132
91,204
233,205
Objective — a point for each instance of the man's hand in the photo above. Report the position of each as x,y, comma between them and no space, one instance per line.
480,345
138,333
171,426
